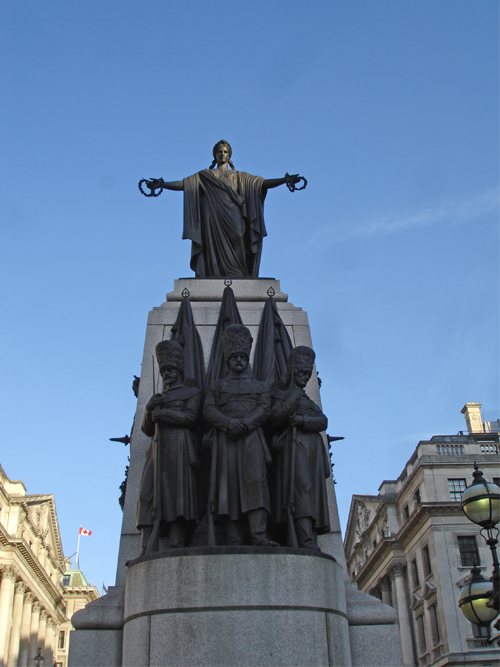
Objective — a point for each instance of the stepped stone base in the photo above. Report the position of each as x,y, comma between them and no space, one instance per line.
235,606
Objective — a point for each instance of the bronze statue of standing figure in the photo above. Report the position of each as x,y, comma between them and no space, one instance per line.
300,503
167,496
223,215
236,408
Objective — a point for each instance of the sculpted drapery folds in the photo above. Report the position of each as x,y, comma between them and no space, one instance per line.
299,422
236,408
224,220
170,419
224,216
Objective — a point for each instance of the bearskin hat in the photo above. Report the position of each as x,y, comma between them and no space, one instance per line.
169,353
302,359
236,339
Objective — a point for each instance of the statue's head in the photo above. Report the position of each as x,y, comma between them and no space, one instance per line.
301,362
224,144
170,357
236,347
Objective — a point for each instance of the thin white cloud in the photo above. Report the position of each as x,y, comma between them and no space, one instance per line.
448,212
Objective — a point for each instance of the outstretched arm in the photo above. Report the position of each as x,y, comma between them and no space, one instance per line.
156,183
270,183
172,185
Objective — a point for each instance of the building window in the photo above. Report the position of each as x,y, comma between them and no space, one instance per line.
469,554
414,574
456,487
496,480
417,497
60,643
406,513
436,637
426,560
66,580
422,644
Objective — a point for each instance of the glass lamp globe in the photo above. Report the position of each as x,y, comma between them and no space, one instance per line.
473,598
481,501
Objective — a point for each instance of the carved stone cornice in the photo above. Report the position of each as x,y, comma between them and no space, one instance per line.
23,507
424,512
33,563
90,592
49,499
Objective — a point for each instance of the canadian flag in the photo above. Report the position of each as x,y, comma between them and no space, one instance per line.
85,532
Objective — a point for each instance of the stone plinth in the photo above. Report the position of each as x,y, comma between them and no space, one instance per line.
210,289
235,606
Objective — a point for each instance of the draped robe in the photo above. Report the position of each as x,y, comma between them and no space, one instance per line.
224,220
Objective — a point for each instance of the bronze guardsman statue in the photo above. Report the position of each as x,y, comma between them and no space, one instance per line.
223,215
299,498
167,493
236,407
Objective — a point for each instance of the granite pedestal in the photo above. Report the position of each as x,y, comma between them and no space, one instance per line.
235,606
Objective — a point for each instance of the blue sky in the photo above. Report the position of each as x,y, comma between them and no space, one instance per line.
389,108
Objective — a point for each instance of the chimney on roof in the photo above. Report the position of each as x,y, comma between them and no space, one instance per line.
473,419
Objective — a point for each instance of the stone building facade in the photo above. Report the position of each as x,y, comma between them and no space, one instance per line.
34,602
413,547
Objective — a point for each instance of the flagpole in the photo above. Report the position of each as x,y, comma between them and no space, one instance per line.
78,548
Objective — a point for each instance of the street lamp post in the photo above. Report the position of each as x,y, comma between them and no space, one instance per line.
39,657
480,598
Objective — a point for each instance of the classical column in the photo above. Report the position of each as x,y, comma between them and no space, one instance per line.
17,615
42,626
35,622
49,642
385,587
25,630
398,576
6,603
